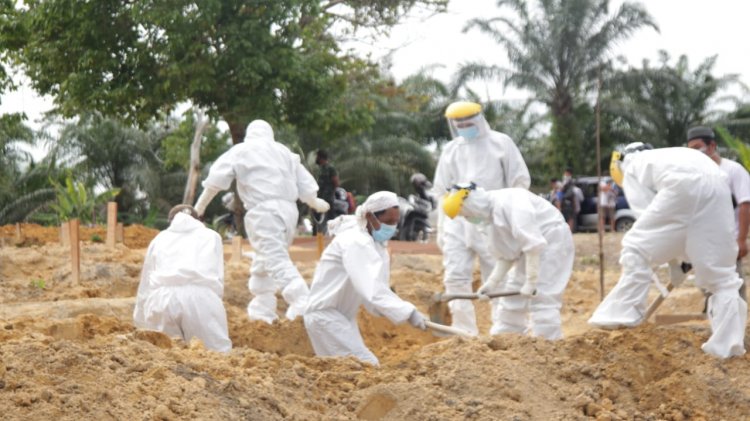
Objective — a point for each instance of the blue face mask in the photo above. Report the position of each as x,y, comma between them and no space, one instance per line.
468,132
384,233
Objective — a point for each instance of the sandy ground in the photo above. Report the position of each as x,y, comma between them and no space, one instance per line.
70,352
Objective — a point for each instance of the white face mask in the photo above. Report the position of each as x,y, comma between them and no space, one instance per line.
704,149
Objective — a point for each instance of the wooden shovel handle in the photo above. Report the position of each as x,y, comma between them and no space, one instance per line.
447,329
474,296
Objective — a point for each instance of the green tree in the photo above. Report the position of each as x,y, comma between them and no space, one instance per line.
556,51
273,59
659,103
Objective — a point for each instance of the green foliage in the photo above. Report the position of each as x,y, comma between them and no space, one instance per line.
661,102
96,238
38,284
176,144
239,60
75,200
557,49
741,148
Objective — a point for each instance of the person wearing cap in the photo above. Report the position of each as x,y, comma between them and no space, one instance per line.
354,271
182,283
270,180
529,234
703,139
492,161
684,214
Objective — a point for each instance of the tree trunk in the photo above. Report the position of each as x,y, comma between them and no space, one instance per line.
201,123
237,130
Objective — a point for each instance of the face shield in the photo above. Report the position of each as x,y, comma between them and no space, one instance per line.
465,119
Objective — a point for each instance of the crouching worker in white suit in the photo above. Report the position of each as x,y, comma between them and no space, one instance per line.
685,213
270,179
182,283
354,270
527,232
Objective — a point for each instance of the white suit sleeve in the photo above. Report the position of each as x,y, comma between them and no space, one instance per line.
364,267
306,184
144,288
444,179
204,199
221,174
524,226
516,172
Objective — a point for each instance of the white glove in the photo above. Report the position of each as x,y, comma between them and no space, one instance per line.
495,279
319,205
204,199
532,274
417,320
296,295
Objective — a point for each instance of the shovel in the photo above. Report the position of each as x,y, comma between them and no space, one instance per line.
437,327
439,307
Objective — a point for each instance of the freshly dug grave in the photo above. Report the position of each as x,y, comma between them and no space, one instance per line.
83,359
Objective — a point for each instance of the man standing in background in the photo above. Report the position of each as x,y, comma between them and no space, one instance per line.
703,139
328,181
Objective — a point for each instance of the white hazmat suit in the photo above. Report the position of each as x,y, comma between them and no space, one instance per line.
182,284
685,213
530,234
354,270
492,161
270,179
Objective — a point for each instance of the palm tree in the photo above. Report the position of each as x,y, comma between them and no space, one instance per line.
556,51
659,103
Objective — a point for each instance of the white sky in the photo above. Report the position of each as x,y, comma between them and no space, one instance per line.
697,28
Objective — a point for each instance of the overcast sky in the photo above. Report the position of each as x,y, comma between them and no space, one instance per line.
697,28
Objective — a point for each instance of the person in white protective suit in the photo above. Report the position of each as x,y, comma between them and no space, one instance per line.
528,233
182,283
492,161
685,213
270,179
354,270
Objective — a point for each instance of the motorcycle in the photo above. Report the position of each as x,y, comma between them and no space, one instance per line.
414,224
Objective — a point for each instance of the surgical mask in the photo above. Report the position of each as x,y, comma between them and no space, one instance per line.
566,178
704,149
468,132
384,233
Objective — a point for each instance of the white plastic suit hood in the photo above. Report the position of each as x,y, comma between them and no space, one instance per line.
259,130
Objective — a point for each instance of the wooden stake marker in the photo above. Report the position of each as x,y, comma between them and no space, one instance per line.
120,233
19,235
65,234
236,249
75,251
111,223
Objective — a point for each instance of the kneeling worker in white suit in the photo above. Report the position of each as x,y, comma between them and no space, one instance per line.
354,270
182,283
527,232
685,213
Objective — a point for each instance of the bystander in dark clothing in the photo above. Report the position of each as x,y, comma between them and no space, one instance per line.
328,181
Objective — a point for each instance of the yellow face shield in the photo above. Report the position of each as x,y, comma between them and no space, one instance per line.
452,202
614,168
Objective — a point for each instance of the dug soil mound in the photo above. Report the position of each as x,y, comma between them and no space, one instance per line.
69,352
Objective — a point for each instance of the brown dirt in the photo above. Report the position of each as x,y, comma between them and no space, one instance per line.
55,365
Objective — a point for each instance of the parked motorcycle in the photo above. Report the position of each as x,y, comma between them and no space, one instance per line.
414,224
